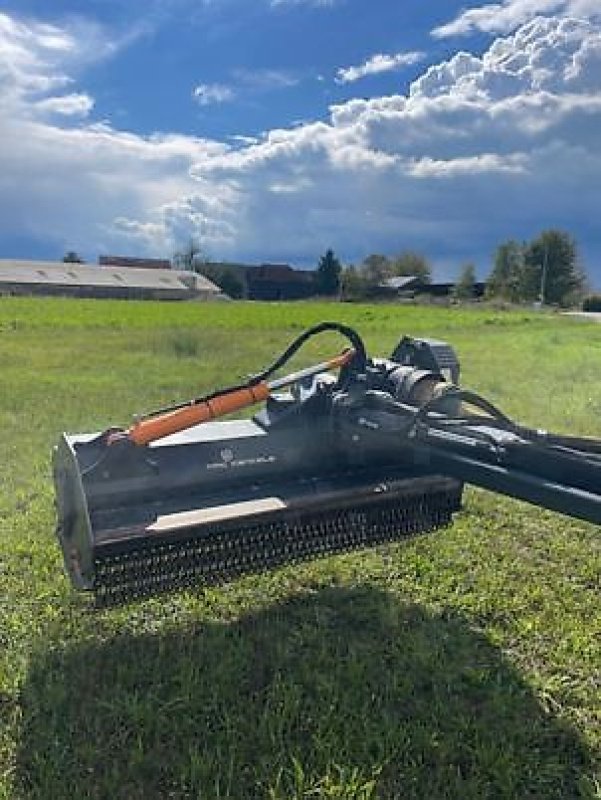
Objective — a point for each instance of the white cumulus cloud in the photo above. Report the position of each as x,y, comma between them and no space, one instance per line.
77,104
377,64
480,149
508,15
71,184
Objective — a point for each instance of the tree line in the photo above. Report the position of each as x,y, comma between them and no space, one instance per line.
545,270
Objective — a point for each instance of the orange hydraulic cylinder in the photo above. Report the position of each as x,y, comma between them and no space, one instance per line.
149,430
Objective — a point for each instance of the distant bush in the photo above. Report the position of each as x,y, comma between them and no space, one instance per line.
592,303
182,344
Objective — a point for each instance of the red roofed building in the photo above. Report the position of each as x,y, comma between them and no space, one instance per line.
279,282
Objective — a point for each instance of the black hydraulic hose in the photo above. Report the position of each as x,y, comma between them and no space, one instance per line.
357,364
538,472
356,341
426,418
498,419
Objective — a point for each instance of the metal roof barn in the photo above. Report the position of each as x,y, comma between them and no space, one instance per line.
82,280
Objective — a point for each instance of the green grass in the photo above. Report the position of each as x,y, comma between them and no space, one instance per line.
465,664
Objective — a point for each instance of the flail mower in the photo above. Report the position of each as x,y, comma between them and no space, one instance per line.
352,452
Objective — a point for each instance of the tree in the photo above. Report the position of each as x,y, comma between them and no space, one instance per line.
353,285
328,274
231,285
376,268
551,270
466,283
411,263
190,258
506,279
544,270
71,257
228,281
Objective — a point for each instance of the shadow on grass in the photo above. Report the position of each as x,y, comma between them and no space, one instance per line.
340,694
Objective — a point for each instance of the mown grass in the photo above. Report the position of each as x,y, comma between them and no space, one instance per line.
461,665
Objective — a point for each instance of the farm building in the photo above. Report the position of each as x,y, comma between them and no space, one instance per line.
446,289
399,286
267,281
81,280
280,282
407,286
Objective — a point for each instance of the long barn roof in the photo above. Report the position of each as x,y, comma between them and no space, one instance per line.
54,273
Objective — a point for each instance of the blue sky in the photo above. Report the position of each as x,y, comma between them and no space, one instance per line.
273,129
280,60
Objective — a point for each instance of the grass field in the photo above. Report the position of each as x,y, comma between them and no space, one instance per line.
465,664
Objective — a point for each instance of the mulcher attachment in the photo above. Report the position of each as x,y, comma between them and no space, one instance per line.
374,455
228,498
276,534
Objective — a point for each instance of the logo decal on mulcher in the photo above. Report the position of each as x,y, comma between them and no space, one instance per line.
227,455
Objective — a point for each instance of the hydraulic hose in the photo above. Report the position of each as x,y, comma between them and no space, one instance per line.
173,419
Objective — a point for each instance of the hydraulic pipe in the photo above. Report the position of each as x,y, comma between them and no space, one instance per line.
554,495
148,430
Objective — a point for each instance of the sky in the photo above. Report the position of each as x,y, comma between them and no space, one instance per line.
271,130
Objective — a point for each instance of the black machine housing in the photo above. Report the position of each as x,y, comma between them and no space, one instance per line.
331,465
303,477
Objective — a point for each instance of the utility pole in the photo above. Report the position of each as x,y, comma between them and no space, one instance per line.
543,277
